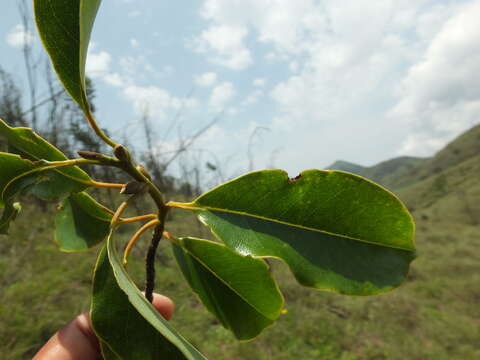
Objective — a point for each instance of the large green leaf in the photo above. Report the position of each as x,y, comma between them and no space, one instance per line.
65,27
238,290
335,230
29,143
19,175
22,175
44,184
81,223
117,304
48,185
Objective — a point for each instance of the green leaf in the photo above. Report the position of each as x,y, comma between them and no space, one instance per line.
108,354
28,177
11,165
21,175
65,27
81,223
238,290
44,184
49,185
38,181
117,304
29,143
335,230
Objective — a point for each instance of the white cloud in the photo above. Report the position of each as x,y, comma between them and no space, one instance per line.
153,98
206,79
18,37
259,82
344,81
134,13
221,95
227,44
98,63
114,79
440,95
157,101
134,70
253,97
134,43
139,68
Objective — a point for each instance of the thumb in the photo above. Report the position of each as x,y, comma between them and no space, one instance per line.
77,340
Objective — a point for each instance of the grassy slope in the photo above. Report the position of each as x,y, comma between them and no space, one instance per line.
435,315
405,171
385,173
461,149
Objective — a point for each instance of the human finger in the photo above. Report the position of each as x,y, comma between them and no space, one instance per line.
77,340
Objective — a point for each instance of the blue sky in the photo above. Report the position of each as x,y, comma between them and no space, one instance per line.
313,81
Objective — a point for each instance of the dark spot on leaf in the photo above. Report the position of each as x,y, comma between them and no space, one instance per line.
292,180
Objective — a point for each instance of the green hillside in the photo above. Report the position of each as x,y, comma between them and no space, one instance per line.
386,173
348,166
443,188
404,171
463,148
435,315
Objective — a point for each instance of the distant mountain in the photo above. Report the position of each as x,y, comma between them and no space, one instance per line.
348,166
445,187
461,149
385,173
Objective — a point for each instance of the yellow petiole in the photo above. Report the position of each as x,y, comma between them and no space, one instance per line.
135,237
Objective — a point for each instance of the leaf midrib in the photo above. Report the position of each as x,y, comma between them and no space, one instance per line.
228,285
16,130
171,335
194,207
84,182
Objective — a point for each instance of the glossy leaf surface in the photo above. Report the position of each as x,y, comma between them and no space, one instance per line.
29,143
238,290
21,175
81,223
118,304
44,184
336,231
65,27
11,166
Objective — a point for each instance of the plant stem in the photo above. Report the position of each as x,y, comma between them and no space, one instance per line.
64,163
99,184
93,124
138,218
129,167
126,163
150,260
52,165
118,213
135,237
171,237
180,205
104,159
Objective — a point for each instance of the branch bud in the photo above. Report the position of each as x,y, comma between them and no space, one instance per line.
133,188
122,154
90,155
